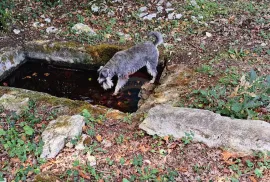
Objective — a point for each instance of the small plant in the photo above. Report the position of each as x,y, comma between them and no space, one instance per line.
171,175
251,94
88,116
237,54
128,118
188,138
119,139
148,174
137,160
206,69
258,173
109,161
6,18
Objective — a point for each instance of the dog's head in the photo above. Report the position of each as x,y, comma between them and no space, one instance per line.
104,78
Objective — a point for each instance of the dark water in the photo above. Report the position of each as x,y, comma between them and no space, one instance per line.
76,84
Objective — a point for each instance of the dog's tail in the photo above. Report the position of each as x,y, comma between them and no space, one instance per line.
158,37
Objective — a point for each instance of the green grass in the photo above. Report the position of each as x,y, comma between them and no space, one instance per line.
6,17
236,98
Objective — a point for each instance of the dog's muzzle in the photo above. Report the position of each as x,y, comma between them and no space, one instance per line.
106,83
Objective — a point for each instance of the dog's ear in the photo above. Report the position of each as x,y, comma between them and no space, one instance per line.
100,68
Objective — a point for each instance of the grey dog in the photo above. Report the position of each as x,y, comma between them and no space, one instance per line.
127,62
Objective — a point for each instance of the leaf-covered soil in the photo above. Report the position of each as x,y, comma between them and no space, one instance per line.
220,41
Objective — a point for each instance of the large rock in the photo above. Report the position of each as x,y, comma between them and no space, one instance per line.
10,59
14,103
63,53
208,127
175,81
64,127
82,28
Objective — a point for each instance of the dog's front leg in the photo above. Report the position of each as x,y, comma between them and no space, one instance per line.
120,83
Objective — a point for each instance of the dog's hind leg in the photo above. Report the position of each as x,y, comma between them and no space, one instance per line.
152,69
120,83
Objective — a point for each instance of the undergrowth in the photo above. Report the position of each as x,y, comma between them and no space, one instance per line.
248,99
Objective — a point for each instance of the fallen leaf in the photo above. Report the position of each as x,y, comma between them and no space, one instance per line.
235,91
15,160
99,138
27,77
24,138
34,74
166,138
46,74
107,36
182,169
143,148
252,179
231,19
82,174
226,155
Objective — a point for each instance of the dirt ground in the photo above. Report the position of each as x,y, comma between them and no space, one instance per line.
221,35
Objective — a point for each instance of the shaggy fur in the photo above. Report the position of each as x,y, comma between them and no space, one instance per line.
127,62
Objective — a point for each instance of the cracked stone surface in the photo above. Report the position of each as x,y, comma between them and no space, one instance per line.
57,131
208,127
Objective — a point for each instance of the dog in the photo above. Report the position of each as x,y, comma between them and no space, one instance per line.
127,62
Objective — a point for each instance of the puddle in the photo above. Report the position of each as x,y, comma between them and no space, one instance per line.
76,84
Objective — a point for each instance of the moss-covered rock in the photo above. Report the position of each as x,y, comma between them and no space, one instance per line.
45,177
13,103
71,52
101,54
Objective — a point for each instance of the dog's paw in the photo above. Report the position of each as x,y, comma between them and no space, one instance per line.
115,94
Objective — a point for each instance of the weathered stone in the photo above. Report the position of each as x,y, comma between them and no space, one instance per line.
82,28
142,9
168,4
16,31
13,103
66,53
142,14
171,16
174,81
64,127
91,160
178,16
208,127
169,10
150,16
208,34
160,9
48,20
95,8
51,29
10,59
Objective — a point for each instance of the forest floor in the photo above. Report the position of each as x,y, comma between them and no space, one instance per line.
225,42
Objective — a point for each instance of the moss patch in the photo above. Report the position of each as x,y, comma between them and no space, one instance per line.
45,178
102,53
75,107
62,121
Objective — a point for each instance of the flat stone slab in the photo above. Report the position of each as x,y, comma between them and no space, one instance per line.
64,127
208,127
